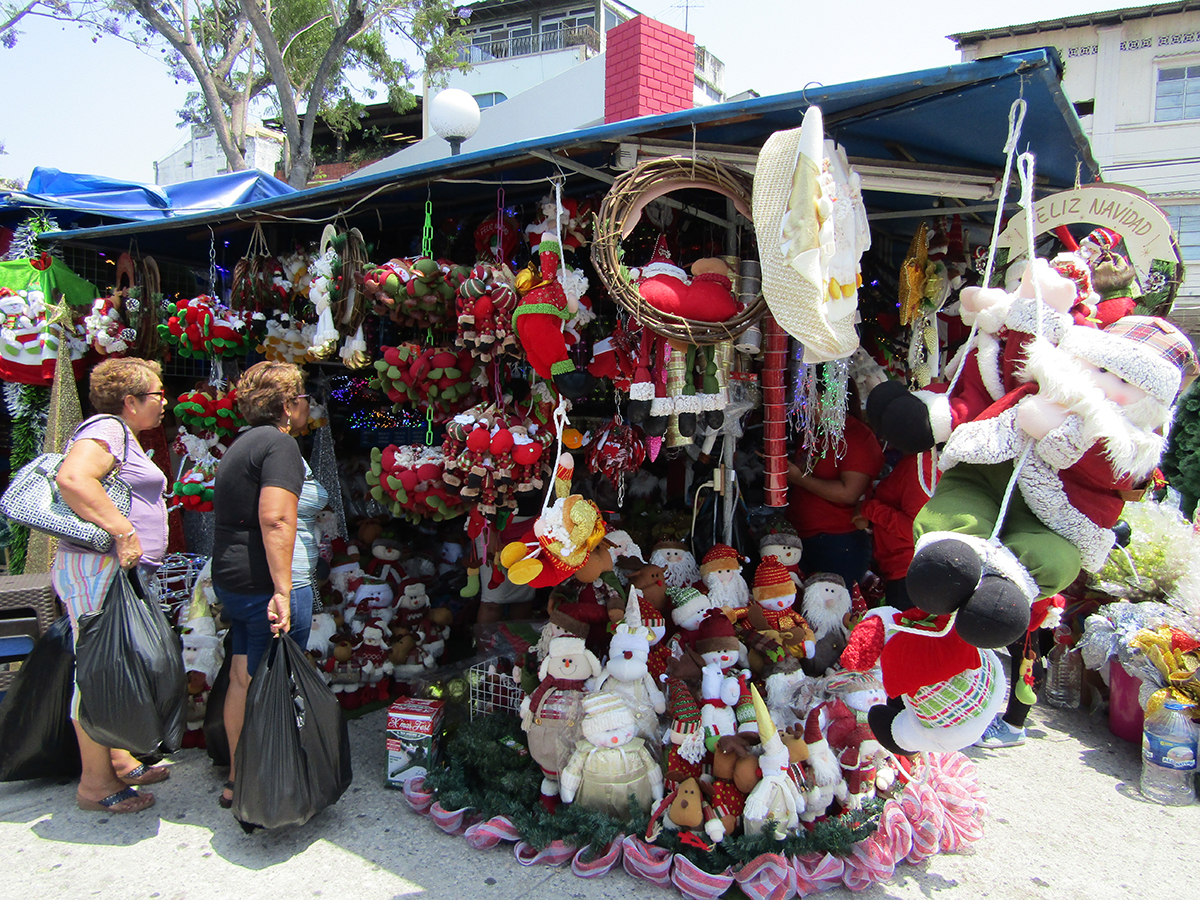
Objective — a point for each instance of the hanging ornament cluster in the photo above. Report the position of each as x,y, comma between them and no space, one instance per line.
106,329
209,411
201,327
418,292
492,456
486,301
409,481
295,276
440,377
201,454
617,450
335,295
318,417
287,339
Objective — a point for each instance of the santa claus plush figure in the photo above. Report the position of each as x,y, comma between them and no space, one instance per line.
548,301
677,562
825,607
721,572
942,692
1084,429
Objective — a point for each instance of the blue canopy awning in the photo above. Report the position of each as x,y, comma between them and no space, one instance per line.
70,197
950,117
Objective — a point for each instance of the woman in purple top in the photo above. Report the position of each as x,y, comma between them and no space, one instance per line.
128,394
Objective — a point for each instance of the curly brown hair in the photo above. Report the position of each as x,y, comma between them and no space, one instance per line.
115,379
264,390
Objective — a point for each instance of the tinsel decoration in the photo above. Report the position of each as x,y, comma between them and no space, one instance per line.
63,417
324,466
27,408
24,244
818,407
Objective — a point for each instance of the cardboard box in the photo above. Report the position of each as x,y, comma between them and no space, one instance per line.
414,732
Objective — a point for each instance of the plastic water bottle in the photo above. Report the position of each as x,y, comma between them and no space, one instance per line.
1169,755
1064,672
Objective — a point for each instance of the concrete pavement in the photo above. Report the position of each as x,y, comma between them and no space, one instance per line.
1066,822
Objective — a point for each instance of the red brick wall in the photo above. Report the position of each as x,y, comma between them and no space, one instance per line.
650,68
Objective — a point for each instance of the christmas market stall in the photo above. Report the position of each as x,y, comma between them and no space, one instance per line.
627,433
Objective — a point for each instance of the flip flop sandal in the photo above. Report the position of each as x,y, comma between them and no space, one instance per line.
144,774
110,803
226,803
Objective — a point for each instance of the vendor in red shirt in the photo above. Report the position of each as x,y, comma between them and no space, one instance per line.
889,514
822,504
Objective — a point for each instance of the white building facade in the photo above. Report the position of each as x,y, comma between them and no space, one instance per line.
202,156
1134,77
515,46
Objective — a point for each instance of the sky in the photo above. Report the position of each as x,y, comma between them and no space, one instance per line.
105,108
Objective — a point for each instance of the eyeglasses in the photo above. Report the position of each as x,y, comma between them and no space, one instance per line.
302,396
151,394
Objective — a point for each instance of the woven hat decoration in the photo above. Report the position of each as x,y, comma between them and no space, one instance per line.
772,579
795,193
604,712
685,721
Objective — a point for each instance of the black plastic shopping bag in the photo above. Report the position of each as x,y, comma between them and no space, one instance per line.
216,741
37,739
293,758
129,666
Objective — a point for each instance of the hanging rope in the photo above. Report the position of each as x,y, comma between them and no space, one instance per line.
1025,166
1016,118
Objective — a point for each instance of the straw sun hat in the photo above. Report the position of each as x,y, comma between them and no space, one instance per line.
808,247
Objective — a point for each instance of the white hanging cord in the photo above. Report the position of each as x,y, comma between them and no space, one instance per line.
560,423
928,486
1025,166
1016,118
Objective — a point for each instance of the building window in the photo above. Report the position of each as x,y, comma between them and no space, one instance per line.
1177,94
612,18
1185,220
490,99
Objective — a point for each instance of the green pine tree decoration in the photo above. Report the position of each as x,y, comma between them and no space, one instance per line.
490,771
1181,460
28,431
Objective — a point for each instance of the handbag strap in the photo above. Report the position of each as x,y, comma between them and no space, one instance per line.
125,429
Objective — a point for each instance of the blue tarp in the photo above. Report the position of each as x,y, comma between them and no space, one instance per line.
67,196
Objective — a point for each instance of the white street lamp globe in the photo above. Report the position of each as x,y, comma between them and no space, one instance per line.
454,116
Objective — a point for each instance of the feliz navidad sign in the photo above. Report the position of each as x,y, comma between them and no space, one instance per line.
1144,227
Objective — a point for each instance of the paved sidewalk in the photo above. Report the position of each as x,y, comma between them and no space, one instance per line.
1066,823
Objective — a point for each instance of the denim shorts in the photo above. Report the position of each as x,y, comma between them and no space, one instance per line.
251,630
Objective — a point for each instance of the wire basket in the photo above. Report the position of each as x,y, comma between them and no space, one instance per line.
492,690
175,579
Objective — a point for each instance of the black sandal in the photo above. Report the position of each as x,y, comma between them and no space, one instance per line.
226,804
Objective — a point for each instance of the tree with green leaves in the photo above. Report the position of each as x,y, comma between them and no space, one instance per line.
298,56
1181,459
